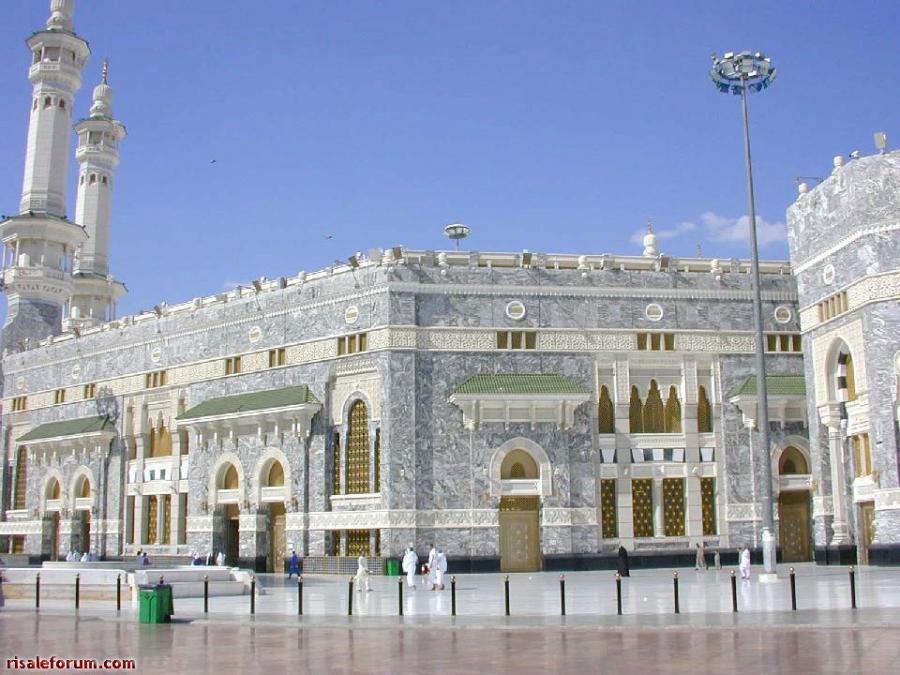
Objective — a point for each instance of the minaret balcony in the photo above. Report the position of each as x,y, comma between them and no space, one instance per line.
103,151
38,281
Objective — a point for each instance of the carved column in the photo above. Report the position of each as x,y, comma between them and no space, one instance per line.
830,414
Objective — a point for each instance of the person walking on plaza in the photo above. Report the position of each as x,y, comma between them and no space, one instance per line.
700,562
744,563
431,566
717,560
294,565
220,559
410,562
440,568
623,563
362,574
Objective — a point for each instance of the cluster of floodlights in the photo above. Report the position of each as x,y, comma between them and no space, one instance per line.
735,72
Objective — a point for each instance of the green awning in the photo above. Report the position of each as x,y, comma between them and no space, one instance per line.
244,403
776,385
533,384
79,427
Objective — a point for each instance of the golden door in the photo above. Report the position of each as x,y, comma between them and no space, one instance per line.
794,526
276,559
152,514
520,549
867,525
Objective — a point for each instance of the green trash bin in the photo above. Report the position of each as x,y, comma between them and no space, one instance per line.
392,567
155,603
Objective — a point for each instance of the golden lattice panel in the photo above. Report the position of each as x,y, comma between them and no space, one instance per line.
358,450
642,506
673,507
608,508
708,503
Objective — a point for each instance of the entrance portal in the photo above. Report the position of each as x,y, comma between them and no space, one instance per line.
867,530
520,549
794,526
232,534
275,563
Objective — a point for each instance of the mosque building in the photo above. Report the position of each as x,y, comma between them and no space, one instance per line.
523,410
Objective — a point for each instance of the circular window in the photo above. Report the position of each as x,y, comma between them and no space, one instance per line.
653,312
76,371
255,334
351,314
828,274
515,310
783,314
156,355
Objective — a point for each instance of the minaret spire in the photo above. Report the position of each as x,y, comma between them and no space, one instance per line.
41,241
96,291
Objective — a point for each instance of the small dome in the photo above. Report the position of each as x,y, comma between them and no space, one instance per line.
650,245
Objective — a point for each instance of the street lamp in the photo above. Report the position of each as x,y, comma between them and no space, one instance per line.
739,74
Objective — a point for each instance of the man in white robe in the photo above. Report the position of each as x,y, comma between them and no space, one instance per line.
744,562
440,569
410,562
432,566
362,574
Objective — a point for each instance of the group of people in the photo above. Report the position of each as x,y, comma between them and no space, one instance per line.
218,560
432,572
700,562
87,556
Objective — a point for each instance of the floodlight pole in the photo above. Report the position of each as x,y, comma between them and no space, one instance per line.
733,73
762,394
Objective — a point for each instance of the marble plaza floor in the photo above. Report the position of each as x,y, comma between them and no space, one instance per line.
823,636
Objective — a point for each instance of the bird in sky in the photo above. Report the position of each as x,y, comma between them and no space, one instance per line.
327,236
212,161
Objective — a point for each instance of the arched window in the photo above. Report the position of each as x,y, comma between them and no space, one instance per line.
519,464
792,461
704,412
358,449
84,490
53,490
62,103
103,180
48,101
93,178
846,377
160,442
230,480
636,424
605,414
654,418
275,476
673,413
21,477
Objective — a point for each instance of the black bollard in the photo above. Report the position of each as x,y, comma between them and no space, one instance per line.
852,588
118,592
618,594
506,592
77,590
675,587
793,591
300,594
206,594
37,590
562,594
453,596
252,594
400,596
350,597
733,592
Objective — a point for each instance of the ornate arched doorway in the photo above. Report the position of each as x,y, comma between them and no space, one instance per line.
520,545
794,521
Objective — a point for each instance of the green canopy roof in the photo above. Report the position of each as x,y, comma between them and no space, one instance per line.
79,427
520,384
257,400
776,385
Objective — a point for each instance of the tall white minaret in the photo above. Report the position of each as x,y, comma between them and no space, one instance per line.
96,291
57,57
39,243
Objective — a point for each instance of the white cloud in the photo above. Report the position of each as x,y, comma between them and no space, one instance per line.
724,228
671,233
721,229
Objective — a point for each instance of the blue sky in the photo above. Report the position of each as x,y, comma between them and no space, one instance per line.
550,126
